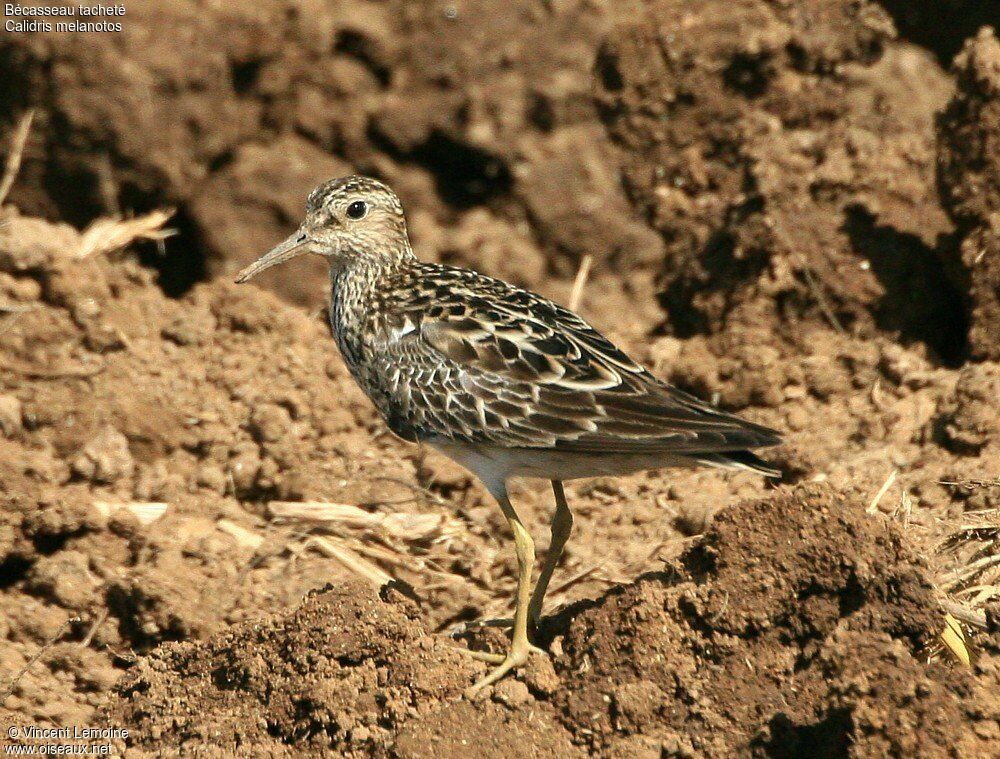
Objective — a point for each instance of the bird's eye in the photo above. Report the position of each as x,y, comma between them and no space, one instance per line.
357,209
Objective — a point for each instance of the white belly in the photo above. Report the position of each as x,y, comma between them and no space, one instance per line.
494,464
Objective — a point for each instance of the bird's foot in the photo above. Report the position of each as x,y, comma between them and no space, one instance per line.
487,656
516,656
462,628
504,623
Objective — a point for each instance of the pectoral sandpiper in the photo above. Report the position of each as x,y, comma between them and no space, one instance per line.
501,380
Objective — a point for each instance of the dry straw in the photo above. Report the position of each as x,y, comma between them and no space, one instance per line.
13,163
373,545
145,512
108,235
972,549
401,525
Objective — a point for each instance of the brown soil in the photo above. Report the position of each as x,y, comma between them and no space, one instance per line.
790,637
789,209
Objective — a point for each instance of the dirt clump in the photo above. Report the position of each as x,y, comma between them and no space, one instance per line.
752,647
349,670
781,167
969,169
796,624
743,162
486,110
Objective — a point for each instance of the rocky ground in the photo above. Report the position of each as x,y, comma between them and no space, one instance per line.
792,208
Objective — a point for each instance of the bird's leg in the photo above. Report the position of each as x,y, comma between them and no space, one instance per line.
520,646
562,525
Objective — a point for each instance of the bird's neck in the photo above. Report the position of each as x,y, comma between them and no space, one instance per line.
366,263
360,274
359,286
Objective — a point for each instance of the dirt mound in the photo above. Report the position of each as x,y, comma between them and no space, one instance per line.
487,110
796,625
784,174
755,644
790,169
969,168
350,670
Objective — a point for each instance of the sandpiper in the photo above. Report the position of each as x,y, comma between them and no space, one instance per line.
503,381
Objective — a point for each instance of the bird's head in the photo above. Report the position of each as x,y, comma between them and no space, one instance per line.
347,219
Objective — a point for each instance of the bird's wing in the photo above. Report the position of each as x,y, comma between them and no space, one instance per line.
491,363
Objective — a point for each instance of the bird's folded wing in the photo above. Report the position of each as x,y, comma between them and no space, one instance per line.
539,376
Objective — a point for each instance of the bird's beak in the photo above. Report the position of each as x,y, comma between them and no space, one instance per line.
295,245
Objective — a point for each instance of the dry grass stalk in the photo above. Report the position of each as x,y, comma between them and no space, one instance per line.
559,590
8,307
337,550
974,545
972,484
978,538
13,164
904,510
580,282
873,506
965,574
971,617
813,282
377,546
45,372
389,557
244,537
89,637
108,235
146,513
400,525
980,594
419,491
38,655
953,639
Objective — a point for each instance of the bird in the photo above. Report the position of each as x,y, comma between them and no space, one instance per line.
503,381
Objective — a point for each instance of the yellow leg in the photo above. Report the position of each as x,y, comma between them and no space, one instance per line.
562,525
520,647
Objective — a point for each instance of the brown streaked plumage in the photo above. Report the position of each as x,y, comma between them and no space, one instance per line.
500,379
